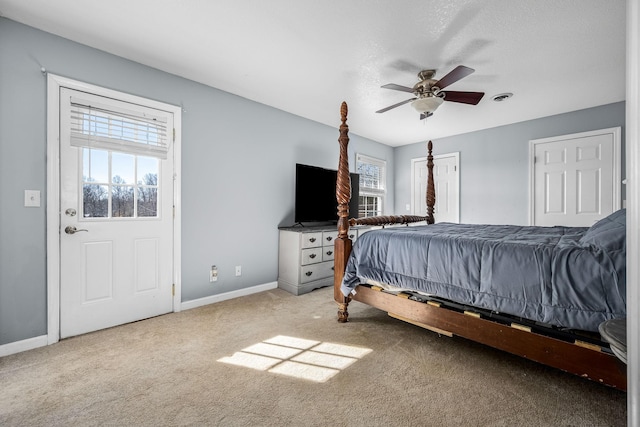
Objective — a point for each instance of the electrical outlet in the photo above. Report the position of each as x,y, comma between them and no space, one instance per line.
238,270
213,274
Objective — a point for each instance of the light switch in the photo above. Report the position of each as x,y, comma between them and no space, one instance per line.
32,198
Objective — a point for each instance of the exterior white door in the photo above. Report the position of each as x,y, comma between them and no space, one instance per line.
446,172
116,215
576,178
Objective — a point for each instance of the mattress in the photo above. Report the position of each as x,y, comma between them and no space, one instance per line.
569,277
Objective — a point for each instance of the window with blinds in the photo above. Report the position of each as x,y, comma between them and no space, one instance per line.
372,185
122,146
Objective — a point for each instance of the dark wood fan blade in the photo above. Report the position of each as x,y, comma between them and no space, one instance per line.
463,97
456,74
395,105
394,86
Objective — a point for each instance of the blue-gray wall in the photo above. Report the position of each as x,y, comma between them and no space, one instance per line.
238,167
494,163
228,216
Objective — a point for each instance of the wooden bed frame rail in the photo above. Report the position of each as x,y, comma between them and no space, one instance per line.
587,360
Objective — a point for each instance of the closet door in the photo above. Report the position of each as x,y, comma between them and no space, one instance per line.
575,178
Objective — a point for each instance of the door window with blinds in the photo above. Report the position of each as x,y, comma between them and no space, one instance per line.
121,147
372,185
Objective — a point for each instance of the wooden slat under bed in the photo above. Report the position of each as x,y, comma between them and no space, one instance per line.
585,359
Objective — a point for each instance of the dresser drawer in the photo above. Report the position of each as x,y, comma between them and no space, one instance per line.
327,253
312,272
311,240
312,255
329,238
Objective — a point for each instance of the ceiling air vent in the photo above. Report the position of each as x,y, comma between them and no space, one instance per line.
501,96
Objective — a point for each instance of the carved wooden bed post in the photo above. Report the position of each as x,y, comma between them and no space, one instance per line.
342,245
431,190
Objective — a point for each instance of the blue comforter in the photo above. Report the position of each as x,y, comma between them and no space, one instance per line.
571,277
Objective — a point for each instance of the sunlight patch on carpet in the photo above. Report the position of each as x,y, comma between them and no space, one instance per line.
248,360
270,350
292,342
304,371
296,357
323,359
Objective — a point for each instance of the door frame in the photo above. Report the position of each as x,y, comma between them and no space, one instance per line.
54,82
615,132
632,156
456,155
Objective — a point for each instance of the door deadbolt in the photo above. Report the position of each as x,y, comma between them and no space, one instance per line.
70,212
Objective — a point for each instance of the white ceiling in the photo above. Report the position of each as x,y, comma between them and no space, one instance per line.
307,56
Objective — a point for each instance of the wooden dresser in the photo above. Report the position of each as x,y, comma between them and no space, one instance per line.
305,257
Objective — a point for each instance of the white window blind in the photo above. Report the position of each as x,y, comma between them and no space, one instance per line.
371,172
99,122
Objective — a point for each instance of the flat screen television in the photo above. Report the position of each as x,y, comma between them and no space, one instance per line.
316,195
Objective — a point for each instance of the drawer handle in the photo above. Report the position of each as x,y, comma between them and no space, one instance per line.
329,252
309,273
313,239
329,238
312,256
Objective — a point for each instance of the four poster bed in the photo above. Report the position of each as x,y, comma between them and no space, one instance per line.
536,292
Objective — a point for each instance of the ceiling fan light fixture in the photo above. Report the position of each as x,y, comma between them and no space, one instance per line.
427,104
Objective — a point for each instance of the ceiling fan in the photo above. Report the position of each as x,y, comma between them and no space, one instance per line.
428,93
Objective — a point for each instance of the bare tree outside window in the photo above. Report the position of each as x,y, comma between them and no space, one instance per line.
121,198
368,206
126,198
95,200
148,196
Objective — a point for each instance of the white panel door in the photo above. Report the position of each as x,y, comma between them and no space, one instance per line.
116,267
446,170
576,178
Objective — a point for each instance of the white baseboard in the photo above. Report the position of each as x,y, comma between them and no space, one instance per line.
41,341
24,345
186,305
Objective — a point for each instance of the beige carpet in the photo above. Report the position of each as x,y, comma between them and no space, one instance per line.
167,371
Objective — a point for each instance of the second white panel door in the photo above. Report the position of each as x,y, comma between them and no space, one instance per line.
446,172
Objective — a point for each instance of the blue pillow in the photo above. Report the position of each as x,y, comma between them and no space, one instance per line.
609,233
